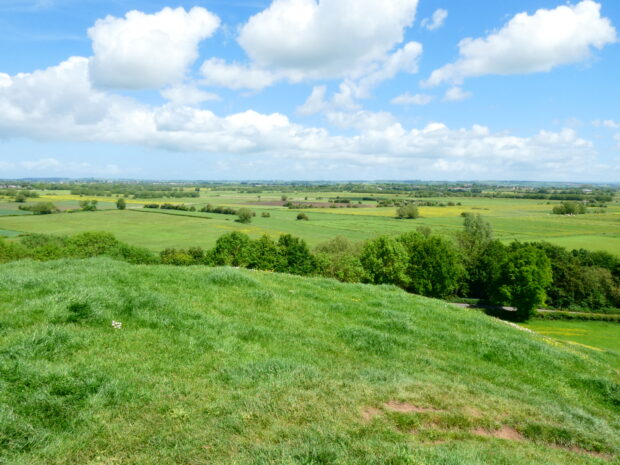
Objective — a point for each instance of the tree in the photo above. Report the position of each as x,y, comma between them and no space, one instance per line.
384,261
88,205
264,254
232,249
121,204
407,211
295,257
284,198
339,259
21,197
524,276
476,247
245,215
434,268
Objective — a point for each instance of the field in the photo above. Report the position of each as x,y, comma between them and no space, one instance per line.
511,219
597,335
214,366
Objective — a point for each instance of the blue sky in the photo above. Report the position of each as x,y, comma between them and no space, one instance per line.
300,89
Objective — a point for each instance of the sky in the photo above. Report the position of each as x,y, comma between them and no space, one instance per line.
310,89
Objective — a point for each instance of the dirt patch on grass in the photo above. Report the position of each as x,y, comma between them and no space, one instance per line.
368,413
403,407
505,432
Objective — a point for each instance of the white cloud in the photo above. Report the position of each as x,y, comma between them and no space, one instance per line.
236,76
436,20
187,95
148,51
456,94
610,124
315,103
532,43
313,38
60,103
408,99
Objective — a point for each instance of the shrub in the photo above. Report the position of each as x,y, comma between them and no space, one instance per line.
121,204
245,215
265,215
88,205
40,208
295,257
569,208
407,211
302,217
231,249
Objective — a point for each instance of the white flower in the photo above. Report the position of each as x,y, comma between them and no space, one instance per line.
117,324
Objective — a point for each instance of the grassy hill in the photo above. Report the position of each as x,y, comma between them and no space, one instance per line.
226,366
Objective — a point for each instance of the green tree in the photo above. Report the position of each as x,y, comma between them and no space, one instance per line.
523,279
384,261
88,205
264,254
231,249
121,204
407,211
339,259
245,215
295,257
434,267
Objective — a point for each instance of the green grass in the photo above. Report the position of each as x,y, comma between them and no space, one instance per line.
226,366
512,219
603,336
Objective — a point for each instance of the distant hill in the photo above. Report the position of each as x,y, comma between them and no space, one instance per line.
103,362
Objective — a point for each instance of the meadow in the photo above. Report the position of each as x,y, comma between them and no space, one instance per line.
221,365
512,219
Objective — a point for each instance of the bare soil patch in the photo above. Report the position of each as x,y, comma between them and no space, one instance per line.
368,413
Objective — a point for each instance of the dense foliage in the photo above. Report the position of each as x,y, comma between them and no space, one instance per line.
474,265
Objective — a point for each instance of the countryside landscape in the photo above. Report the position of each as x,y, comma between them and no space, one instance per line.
237,233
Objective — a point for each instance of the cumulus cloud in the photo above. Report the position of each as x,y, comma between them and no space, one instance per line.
315,103
60,103
408,99
312,38
187,95
608,123
532,43
456,94
436,20
148,51
217,72
47,166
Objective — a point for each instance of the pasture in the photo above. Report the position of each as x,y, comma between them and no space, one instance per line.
219,365
512,219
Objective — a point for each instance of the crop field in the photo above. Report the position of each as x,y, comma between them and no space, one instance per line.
512,219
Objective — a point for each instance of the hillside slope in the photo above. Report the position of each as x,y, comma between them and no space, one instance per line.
226,366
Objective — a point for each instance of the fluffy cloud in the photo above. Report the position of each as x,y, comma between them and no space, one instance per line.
47,166
60,103
436,20
236,76
532,43
311,38
408,99
148,51
187,95
456,94
610,124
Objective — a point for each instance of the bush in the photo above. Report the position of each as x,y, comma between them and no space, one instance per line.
245,215
338,258
295,257
40,208
407,211
265,215
121,204
231,249
302,217
88,205
569,208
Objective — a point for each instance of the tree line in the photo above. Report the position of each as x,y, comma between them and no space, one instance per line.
471,265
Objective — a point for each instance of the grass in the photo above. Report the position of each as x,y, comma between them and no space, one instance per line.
217,366
598,335
512,219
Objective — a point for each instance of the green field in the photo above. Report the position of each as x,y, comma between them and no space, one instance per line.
226,366
597,335
524,220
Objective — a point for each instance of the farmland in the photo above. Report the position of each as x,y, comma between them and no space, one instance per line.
512,219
